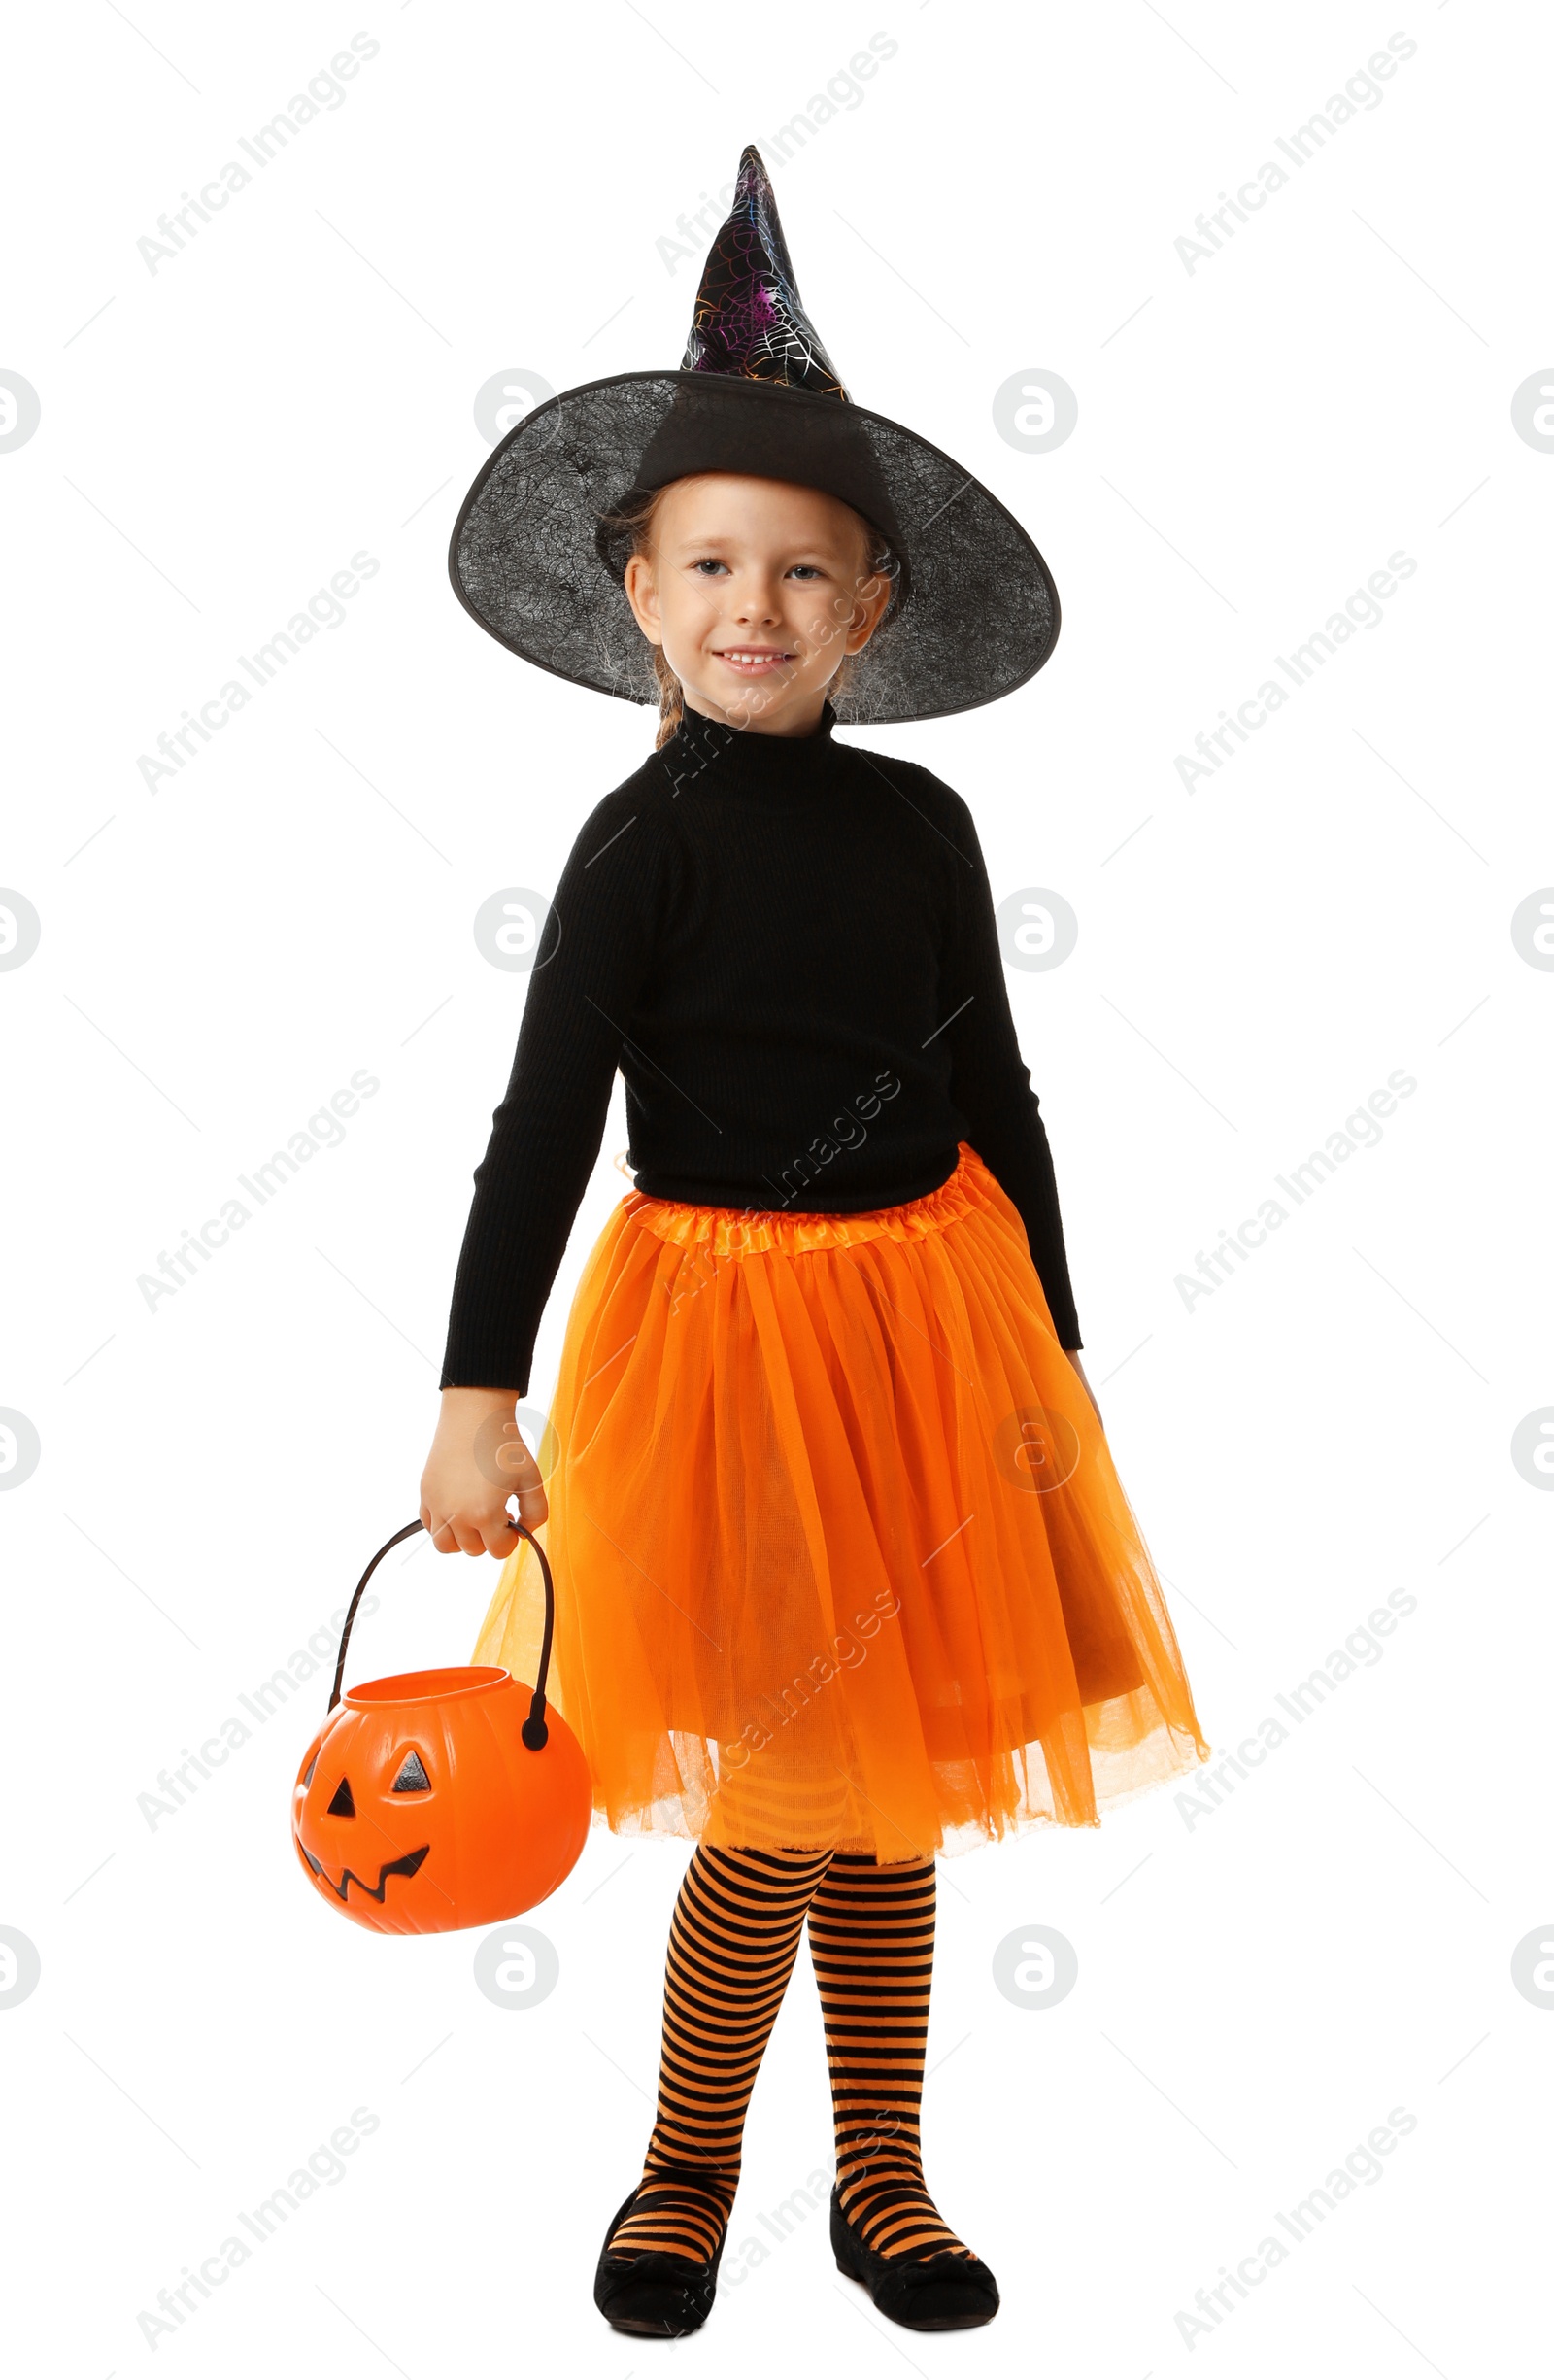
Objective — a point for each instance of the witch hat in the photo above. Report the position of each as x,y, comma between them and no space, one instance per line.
536,559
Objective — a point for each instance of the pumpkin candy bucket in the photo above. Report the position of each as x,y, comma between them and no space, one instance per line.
440,1798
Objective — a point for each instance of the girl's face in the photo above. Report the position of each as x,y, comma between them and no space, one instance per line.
756,590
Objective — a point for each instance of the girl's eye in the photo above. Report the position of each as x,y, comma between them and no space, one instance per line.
806,570
709,562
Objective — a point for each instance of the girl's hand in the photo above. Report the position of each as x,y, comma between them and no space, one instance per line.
1074,1358
477,1461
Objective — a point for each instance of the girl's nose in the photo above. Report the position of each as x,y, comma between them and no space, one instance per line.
756,599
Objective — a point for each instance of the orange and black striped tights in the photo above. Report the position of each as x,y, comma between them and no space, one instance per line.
732,1942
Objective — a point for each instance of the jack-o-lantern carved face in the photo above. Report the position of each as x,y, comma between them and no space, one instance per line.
418,1808
410,1777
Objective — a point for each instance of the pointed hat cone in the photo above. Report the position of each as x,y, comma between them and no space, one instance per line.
750,322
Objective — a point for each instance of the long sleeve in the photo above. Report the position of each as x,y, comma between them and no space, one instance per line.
593,956
990,1084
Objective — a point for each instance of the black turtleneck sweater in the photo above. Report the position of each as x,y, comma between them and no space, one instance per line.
788,947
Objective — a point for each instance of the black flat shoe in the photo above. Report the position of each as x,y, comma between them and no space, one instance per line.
941,2292
655,2294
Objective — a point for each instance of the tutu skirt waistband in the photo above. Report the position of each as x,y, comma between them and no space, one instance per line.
840,1552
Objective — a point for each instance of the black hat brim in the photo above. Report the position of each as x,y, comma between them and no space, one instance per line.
977,611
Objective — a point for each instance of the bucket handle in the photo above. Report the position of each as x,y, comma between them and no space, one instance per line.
534,1730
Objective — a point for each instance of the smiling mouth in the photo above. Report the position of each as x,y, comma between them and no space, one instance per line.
405,1867
754,661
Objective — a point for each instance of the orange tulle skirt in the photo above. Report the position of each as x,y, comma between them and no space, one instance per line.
840,1553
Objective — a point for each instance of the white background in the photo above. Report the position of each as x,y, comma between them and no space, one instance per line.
1259,1983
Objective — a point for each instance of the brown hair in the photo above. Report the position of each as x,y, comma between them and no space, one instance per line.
634,524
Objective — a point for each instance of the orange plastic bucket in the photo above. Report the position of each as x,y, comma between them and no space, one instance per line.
440,1798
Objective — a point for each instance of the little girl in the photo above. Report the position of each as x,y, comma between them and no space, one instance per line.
844,1573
